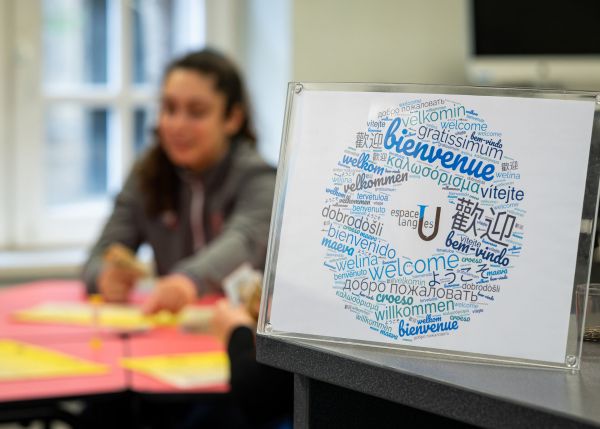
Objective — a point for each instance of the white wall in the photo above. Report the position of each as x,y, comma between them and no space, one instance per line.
257,35
276,41
223,21
268,68
394,41
6,98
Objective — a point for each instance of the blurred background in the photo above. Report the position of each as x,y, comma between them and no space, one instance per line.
79,81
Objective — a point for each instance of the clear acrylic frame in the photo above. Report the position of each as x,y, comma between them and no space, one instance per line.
584,248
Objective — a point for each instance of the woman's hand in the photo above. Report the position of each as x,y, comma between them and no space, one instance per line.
171,293
228,317
115,282
119,273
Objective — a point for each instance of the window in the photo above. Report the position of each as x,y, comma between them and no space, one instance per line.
85,75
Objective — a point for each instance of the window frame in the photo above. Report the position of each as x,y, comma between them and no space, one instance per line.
25,222
32,223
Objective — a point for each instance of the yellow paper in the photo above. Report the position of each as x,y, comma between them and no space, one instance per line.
20,360
115,316
82,313
184,371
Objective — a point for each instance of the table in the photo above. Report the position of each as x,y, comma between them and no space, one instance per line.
170,341
162,403
33,398
111,351
13,298
39,399
347,377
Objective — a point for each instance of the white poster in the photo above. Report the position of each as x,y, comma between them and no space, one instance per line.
442,221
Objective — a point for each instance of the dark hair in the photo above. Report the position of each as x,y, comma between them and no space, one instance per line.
158,176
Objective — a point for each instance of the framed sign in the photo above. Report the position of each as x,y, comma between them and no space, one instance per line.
453,220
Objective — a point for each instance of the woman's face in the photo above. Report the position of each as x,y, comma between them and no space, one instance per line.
194,129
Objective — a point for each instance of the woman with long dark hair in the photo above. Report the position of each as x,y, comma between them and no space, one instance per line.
201,196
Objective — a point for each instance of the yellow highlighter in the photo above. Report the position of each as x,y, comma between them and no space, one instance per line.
96,304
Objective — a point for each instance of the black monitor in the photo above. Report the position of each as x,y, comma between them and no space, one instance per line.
536,28
539,43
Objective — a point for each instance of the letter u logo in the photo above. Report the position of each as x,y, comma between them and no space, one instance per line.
430,237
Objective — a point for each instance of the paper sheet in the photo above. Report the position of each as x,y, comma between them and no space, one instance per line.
20,360
386,241
114,316
184,371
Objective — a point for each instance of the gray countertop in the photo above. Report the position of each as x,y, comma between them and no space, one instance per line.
481,394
